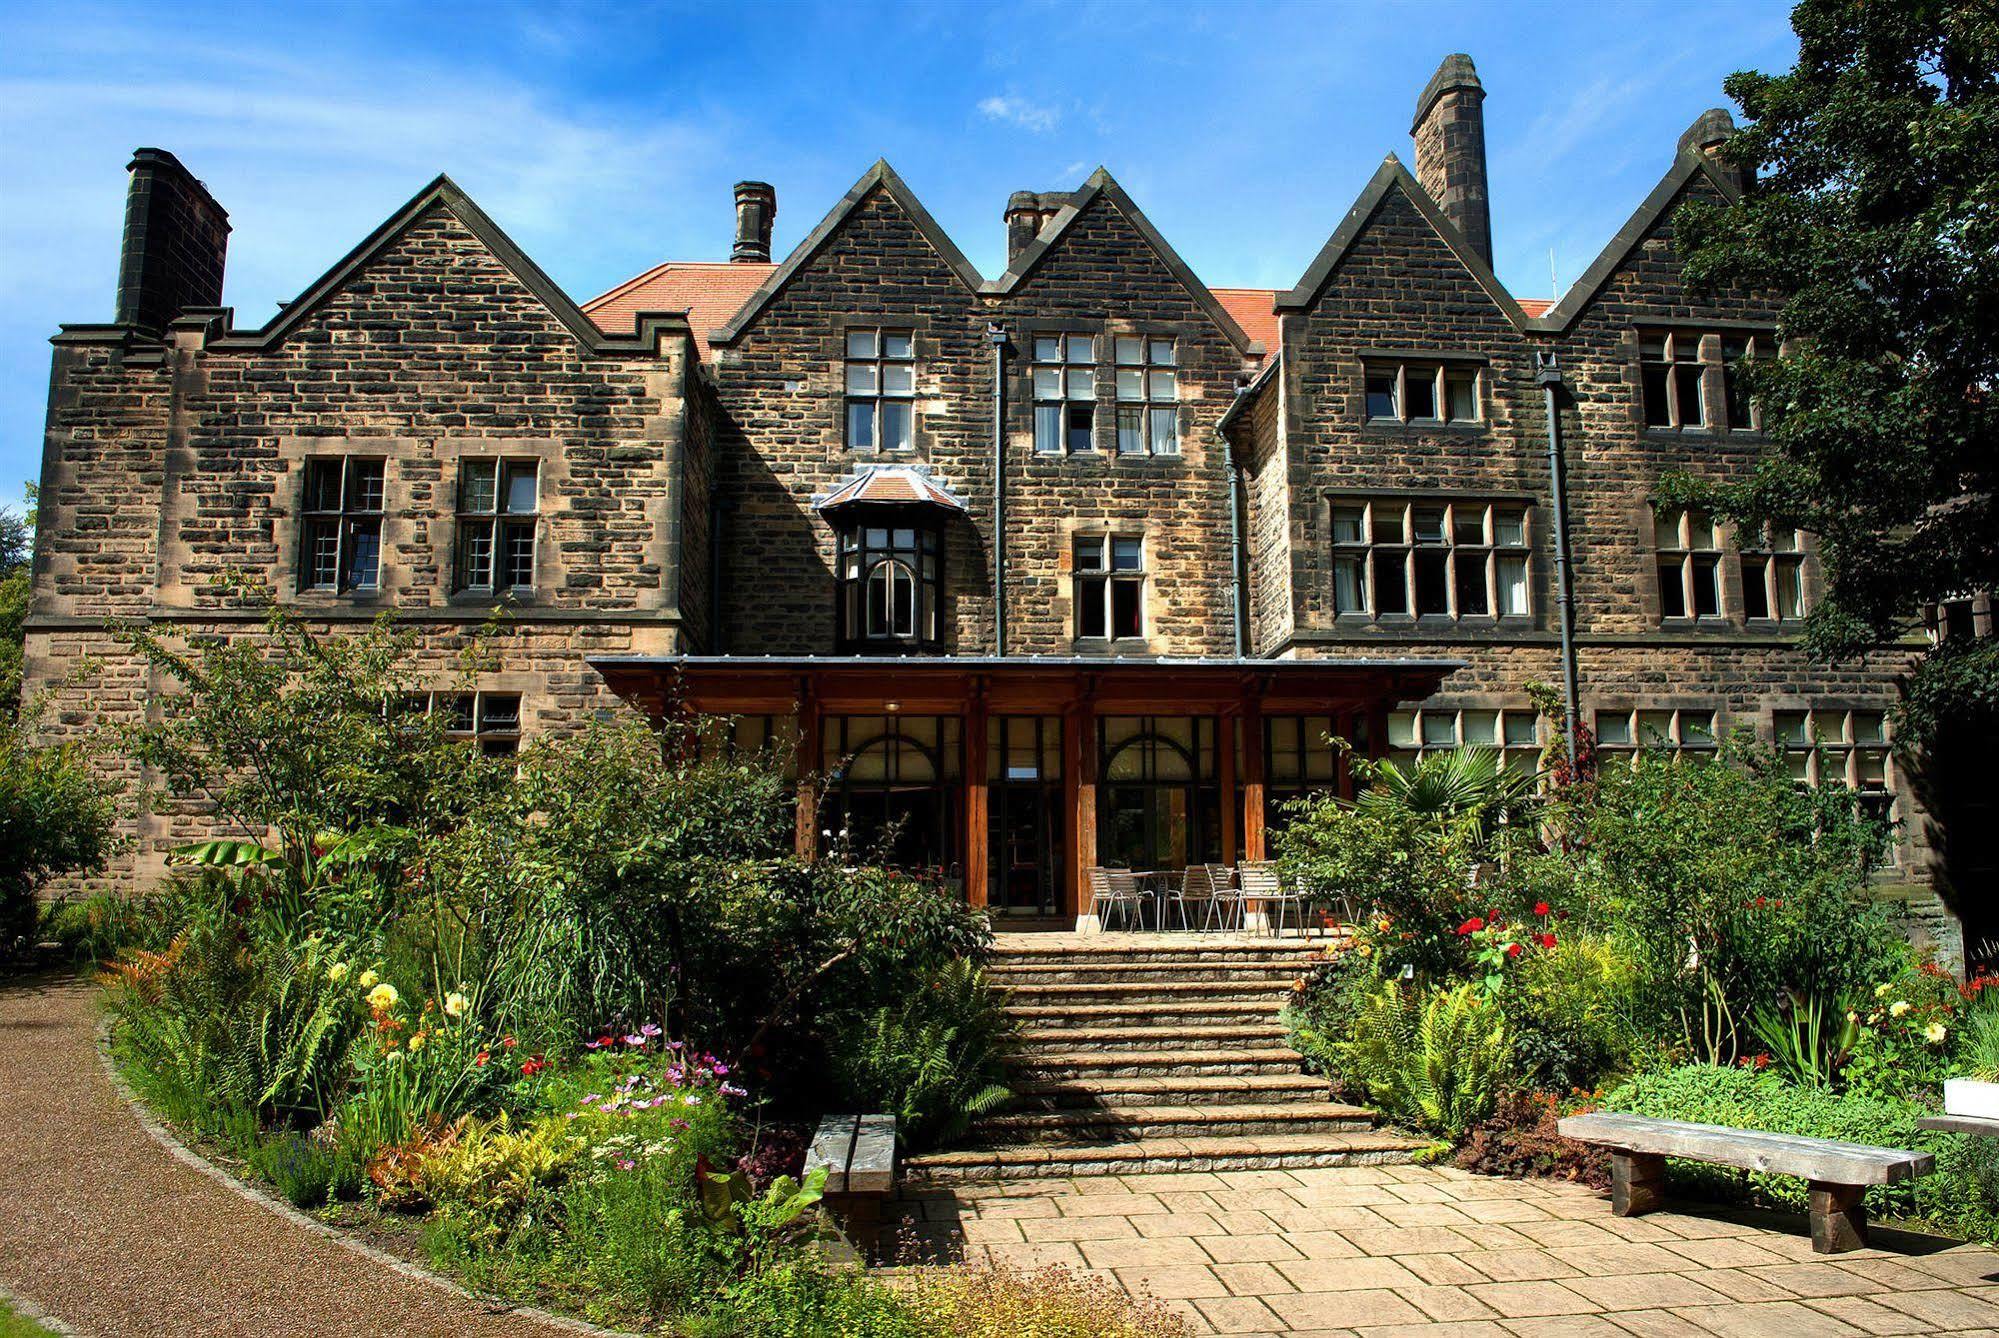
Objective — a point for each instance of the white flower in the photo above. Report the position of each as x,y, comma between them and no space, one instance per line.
337,972
1899,1008
368,979
455,1004
1852,1016
383,997
1935,1033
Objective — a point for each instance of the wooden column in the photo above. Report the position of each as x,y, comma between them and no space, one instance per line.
978,837
1079,802
809,747
1225,729
1252,778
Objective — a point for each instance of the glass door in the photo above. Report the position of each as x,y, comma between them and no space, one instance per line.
1024,804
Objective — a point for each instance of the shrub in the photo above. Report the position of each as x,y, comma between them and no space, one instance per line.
56,817
1521,1139
1569,1014
1961,1197
306,1171
1437,1061
994,1299
102,926
934,1060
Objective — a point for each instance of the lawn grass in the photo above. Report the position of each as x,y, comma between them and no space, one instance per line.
13,1325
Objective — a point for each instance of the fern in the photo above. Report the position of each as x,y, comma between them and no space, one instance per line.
1437,1063
935,1061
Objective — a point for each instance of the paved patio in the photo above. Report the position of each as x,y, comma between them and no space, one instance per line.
1378,1252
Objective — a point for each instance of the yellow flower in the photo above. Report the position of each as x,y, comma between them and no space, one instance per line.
1881,990
1935,1033
416,1042
337,972
1899,1008
455,1004
368,979
383,997
1365,950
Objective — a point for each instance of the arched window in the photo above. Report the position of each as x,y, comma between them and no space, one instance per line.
891,584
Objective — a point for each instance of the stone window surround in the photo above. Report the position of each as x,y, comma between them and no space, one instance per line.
1078,534
1437,496
507,740
1820,710
1355,368
1713,393
1505,710
288,530
550,476
926,350
345,515
1184,335
499,519
881,396
1733,615
1679,737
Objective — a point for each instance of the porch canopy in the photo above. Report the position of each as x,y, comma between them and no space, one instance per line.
1175,749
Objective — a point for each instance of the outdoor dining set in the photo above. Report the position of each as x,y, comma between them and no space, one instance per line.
1207,897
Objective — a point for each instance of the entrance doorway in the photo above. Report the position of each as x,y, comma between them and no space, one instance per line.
1025,823
1160,800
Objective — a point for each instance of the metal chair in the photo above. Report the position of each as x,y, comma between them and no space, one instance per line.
1197,886
1227,894
1261,883
1110,889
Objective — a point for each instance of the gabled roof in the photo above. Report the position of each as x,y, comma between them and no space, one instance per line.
443,193
1102,184
709,291
1690,163
887,485
880,175
1392,175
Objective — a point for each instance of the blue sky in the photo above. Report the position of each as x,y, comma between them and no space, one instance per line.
605,137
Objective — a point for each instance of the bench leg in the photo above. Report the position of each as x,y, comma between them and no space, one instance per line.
1839,1219
856,1222
1637,1182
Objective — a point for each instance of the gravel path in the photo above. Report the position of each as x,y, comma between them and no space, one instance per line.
110,1233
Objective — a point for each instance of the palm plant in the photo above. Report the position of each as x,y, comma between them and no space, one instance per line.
1463,791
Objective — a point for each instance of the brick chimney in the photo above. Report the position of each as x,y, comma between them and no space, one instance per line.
1710,130
1027,212
176,239
756,210
1450,149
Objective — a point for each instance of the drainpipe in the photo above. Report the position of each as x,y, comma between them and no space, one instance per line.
1235,540
996,336
1548,375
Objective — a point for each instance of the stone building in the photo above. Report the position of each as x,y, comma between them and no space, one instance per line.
1085,563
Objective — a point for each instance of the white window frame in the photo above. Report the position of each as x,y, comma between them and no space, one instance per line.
1515,733
1146,373
1438,375
1363,566
874,364
1098,584
1062,383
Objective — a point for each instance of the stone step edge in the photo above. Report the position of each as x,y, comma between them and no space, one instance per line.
1260,1008
1147,989
1204,1082
1295,1112
1100,1058
1360,1147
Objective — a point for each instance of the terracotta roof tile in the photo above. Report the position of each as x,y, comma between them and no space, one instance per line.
887,484
1536,306
708,291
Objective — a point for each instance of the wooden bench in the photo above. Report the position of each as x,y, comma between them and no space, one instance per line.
857,1153
1838,1173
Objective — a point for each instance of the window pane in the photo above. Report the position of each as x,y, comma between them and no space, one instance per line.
475,569
1701,531
499,711
1432,581
1666,530
1125,619
1868,727
1387,524
1461,396
1381,395
364,551
1655,729
1707,586
1509,528
1082,348
1402,729
1127,554
1689,389
1792,728
1429,524
1471,586
322,554
860,425
1090,607
322,485
1391,581
899,379
1755,596
1347,524
897,426
1440,729
364,485
1513,585
1790,590
1613,729
1468,524
1165,431
860,378
1130,430
1082,421
1481,728
860,343
1130,383
1130,350
1163,352
1090,554
1164,385
1657,413
1697,729
1047,348
1672,595
520,556
1521,731
478,491
521,489
1048,429
898,344
1047,383
1421,388
1346,586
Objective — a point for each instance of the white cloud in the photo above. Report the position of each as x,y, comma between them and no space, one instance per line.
1019,111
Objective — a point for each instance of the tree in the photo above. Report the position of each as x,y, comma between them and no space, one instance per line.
17,536
1874,206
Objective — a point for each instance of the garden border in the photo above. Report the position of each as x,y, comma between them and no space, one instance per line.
187,1156
28,1310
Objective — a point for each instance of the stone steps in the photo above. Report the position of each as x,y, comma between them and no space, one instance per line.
1167,1089
1054,1065
1146,1016
1178,1120
1225,1036
1234,969
1270,993
1162,1155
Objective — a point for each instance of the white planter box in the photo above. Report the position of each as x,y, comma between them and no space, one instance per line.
1968,1096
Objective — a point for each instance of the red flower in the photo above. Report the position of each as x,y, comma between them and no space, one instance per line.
1541,908
510,1042
1513,949
483,1056
1547,940
1762,901
1471,926
1762,1061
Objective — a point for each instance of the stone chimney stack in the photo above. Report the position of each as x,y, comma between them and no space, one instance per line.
176,240
1027,212
1450,149
756,211
1710,130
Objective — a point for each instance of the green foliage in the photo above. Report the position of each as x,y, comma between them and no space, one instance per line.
56,817
1462,791
1961,1197
1876,216
1808,1037
1570,1014
103,925
1979,1047
306,1171
16,548
934,1059
1435,1060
